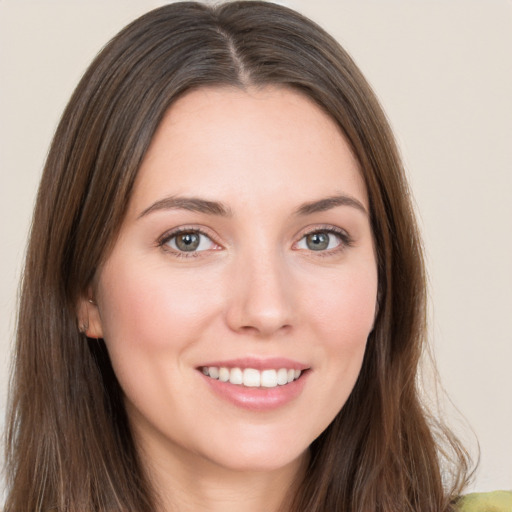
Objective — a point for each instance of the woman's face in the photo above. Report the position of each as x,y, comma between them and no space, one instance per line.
245,259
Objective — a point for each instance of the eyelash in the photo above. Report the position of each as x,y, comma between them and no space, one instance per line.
167,237
345,240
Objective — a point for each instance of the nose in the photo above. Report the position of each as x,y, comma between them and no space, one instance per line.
261,301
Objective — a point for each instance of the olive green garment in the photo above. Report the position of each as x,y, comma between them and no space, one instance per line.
498,501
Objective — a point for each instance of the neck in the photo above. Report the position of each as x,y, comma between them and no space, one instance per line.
185,482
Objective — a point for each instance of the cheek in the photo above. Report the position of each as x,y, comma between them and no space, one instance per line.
151,321
343,307
342,312
146,306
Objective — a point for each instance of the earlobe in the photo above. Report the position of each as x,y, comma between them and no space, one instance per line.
89,319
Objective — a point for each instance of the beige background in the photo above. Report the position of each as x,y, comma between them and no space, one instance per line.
443,70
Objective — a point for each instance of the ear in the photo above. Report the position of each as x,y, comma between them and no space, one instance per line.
89,319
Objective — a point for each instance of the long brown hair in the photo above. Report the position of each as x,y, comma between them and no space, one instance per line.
69,446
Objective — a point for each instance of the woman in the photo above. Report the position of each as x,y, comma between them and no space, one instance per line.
224,296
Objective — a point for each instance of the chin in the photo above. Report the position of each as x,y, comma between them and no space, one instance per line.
259,459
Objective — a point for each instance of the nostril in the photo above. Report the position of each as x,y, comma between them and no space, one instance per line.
264,329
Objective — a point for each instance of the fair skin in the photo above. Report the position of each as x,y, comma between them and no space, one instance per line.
272,270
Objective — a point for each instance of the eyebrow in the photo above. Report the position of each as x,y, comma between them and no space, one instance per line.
196,204
193,204
328,203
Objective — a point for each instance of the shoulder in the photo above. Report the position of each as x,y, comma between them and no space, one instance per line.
497,501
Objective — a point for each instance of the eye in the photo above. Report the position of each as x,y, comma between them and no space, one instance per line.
323,240
189,241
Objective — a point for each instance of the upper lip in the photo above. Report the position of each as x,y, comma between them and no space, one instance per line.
258,363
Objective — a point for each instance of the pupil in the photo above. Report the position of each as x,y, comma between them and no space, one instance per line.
317,241
187,242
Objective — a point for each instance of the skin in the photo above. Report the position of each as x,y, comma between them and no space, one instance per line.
255,288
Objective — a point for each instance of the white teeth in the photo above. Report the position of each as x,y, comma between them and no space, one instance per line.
269,378
252,378
236,376
282,376
223,374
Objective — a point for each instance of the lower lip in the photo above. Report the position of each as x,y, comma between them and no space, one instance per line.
258,399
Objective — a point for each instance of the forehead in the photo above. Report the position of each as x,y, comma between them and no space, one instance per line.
230,143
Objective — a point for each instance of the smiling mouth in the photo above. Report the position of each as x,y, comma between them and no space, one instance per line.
252,378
